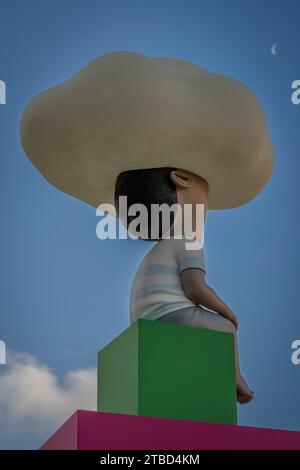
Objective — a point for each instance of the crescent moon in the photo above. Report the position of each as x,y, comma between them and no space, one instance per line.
273,49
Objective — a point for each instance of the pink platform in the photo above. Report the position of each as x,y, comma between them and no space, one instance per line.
90,430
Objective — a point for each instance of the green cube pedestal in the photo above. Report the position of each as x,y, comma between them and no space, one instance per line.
169,371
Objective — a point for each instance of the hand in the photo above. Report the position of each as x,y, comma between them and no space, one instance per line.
231,316
234,320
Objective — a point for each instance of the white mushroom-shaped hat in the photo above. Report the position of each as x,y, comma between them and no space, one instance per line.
127,111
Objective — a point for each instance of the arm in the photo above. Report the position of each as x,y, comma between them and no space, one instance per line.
196,289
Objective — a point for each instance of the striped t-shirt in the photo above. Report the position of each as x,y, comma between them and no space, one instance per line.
157,289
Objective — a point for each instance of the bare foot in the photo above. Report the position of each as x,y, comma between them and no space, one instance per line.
244,394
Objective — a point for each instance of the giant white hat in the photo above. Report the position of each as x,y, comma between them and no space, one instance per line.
128,111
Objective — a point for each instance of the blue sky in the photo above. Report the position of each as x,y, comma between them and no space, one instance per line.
64,293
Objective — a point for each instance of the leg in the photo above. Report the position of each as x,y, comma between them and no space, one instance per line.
200,318
244,394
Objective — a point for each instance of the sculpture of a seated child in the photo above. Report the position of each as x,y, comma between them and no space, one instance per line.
170,283
157,130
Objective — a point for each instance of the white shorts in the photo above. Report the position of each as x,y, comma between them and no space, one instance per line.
199,318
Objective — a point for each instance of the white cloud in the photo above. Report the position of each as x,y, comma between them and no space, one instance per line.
32,400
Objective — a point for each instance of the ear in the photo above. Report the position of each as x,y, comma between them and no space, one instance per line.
182,179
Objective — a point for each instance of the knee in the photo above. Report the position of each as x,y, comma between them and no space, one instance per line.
229,326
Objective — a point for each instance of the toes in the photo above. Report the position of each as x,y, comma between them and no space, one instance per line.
244,398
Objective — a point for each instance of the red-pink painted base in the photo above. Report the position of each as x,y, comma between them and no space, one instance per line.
90,430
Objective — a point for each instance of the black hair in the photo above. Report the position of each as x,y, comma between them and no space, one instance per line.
149,186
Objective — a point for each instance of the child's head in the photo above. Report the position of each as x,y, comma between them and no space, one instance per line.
160,186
